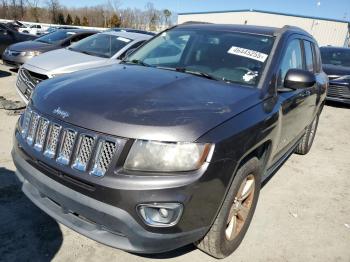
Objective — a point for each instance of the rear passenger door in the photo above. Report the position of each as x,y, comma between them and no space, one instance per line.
297,106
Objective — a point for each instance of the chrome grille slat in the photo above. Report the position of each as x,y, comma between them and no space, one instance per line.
105,152
41,134
32,128
67,146
26,121
84,152
52,140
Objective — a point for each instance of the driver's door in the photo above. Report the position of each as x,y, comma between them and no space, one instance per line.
296,105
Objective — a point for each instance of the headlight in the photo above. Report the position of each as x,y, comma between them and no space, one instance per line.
31,53
166,157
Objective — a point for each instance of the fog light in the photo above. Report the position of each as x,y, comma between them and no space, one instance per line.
160,214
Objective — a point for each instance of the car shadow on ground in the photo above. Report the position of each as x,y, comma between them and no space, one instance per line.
337,104
26,232
4,74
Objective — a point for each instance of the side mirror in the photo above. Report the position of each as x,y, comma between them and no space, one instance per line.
299,78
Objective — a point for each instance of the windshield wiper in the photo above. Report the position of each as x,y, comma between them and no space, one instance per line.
137,62
198,73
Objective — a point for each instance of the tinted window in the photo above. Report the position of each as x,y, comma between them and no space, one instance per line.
317,58
225,56
55,37
292,59
309,59
102,45
334,56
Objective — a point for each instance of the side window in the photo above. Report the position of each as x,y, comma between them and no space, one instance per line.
292,59
309,59
317,56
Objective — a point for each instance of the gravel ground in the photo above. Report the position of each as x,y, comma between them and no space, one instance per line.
303,213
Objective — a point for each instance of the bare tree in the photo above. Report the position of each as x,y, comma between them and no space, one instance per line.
34,9
54,9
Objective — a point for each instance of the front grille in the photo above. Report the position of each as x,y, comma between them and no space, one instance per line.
32,128
338,91
28,80
84,152
41,134
52,140
66,149
105,152
70,146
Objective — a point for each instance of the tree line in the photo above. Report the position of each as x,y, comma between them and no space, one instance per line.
109,14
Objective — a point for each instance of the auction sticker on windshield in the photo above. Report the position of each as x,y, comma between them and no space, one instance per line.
252,54
126,40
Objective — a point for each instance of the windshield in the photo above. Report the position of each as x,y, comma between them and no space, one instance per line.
55,37
339,57
101,45
218,55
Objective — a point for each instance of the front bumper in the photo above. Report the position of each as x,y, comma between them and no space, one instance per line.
97,220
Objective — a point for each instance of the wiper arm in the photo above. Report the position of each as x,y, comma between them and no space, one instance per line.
198,73
137,62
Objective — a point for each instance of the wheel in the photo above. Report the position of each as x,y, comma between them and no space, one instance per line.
236,213
305,144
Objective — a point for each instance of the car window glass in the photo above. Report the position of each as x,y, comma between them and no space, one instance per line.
227,56
334,56
55,37
102,45
165,51
317,58
309,56
292,59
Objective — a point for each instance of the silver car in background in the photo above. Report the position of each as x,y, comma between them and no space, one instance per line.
95,51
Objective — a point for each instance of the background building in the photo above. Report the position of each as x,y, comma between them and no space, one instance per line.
326,31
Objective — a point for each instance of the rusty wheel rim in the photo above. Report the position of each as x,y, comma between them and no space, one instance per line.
240,208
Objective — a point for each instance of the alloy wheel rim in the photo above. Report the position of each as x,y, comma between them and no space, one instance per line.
240,208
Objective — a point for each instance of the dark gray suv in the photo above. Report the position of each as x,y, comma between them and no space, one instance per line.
171,147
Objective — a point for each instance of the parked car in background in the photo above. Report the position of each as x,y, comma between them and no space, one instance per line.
9,36
131,30
33,29
18,54
95,51
55,28
171,146
336,64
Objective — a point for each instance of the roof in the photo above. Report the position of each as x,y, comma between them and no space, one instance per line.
129,35
131,30
266,12
251,29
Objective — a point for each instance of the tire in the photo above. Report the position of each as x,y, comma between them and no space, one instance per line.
216,242
307,140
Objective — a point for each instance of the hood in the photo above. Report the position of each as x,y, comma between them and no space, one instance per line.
141,102
66,61
25,37
335,70
32,46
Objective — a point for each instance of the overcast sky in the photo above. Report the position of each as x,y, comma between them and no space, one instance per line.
337,9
